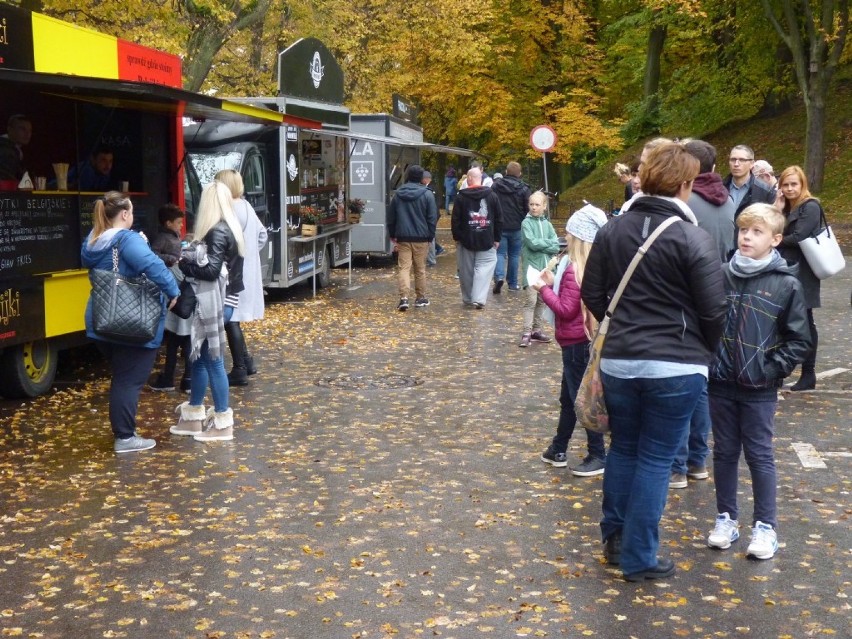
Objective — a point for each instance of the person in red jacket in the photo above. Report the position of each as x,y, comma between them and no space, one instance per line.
574,329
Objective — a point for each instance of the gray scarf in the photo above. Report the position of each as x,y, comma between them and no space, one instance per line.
208,320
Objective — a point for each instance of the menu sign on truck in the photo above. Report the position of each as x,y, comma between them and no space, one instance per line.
38,234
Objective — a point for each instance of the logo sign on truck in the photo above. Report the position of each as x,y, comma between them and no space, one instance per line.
316,70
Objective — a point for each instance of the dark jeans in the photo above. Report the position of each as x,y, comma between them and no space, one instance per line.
574,360
130,366
693,450
509,251
746,426
648,419
173,343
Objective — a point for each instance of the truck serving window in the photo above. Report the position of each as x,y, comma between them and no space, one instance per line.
207,165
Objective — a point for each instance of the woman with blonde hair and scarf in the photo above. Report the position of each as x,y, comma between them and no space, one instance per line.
214,265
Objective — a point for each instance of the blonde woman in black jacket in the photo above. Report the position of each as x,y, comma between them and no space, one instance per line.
215,265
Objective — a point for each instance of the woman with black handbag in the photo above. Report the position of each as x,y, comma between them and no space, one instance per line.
803,213
130,362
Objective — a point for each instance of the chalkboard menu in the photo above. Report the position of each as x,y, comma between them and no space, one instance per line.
38,233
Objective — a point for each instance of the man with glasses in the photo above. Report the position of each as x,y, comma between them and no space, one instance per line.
740,182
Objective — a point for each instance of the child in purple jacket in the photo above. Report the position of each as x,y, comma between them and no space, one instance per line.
574,328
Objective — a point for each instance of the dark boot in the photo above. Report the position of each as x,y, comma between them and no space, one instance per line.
806,382
808,379
251,369
236,343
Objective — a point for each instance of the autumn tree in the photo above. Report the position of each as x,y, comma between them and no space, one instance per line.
815,32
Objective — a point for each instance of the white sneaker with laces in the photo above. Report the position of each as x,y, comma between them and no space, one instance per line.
764,541
725,532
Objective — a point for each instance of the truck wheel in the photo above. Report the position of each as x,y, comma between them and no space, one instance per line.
324,273
28,370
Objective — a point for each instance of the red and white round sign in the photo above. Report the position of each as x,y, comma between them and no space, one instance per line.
543,138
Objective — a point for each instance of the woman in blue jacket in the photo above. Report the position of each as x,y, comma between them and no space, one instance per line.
131,364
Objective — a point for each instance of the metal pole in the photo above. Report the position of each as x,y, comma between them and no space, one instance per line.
544,165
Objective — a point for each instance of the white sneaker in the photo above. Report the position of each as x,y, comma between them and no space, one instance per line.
764,541
725,532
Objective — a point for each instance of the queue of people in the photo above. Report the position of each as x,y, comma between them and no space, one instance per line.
705,332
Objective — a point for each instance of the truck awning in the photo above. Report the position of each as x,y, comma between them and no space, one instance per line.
143,96
382,139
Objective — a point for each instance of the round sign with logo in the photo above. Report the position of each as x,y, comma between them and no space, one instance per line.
543,138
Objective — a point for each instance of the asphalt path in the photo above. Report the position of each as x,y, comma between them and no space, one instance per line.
385,482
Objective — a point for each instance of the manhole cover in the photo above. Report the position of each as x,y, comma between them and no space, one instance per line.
367,382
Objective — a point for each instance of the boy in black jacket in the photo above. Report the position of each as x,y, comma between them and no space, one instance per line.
766,335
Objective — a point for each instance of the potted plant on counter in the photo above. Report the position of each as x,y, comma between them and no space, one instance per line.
310,221
356,208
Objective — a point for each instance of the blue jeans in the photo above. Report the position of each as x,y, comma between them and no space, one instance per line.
648,420
206,370
575,357
693,450
748,426
510,245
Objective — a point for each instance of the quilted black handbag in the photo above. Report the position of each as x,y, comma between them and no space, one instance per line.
124,309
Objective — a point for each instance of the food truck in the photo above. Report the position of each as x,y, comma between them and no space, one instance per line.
293,175
382,147
81,90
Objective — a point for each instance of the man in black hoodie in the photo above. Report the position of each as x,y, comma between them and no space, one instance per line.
477,223
412,218
514,196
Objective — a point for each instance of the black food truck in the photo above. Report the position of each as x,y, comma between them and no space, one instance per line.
294,176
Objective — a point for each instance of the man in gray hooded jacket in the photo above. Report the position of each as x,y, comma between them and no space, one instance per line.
412,218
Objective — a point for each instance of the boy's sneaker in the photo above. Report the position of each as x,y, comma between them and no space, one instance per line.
590,467
678,481
538,336
697,472
725,532
764,541
403,304
133,444
525,340
420,302
498,286
161,384
557,460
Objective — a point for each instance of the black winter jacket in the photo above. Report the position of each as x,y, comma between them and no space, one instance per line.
413,214
766,331
674,305
477,219
514,197
221,248
803,222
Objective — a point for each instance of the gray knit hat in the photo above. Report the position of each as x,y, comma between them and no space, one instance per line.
586,222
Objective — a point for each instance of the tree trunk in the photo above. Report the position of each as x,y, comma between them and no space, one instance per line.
201,48
815,142
656,41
